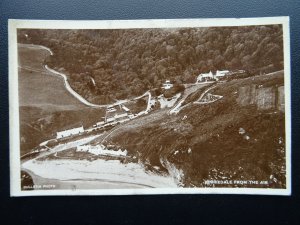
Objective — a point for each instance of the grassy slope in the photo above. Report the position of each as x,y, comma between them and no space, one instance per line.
211,131
37,87
45,105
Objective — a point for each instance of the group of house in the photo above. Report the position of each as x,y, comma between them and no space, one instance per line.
112,120
204,77
113,115
116,114
101,150
219,75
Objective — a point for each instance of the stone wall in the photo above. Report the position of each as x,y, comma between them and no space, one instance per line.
263,97
280,99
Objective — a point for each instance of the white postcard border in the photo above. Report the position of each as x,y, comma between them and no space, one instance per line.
13,25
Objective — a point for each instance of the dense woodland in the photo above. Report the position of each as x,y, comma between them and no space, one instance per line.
105,65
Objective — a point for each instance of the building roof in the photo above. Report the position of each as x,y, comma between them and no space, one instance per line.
70,131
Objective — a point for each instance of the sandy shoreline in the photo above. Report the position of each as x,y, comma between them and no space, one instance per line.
98,174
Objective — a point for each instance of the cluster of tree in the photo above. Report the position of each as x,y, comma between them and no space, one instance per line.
104,65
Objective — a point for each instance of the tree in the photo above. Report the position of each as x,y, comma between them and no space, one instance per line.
128,62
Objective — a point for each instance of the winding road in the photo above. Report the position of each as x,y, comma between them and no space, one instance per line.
71,90
36,47
176,109
68,86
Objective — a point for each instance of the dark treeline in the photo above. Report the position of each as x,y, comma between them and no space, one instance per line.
125,63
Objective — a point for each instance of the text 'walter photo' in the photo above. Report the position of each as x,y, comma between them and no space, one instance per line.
150,107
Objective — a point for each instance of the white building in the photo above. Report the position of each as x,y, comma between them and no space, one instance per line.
110,119
100,150
67,133
101,123
221,73
125,108
167,85
118,116
203,77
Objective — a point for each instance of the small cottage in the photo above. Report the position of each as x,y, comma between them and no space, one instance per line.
167,85
68,133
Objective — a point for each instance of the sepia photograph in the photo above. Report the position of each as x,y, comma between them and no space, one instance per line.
184,106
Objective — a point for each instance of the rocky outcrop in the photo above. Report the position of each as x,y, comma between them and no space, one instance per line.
263,97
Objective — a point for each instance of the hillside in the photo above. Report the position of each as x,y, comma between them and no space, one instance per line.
105,65
37,85
228,139
45,105
38,125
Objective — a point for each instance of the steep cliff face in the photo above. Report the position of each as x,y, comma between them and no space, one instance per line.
263,97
